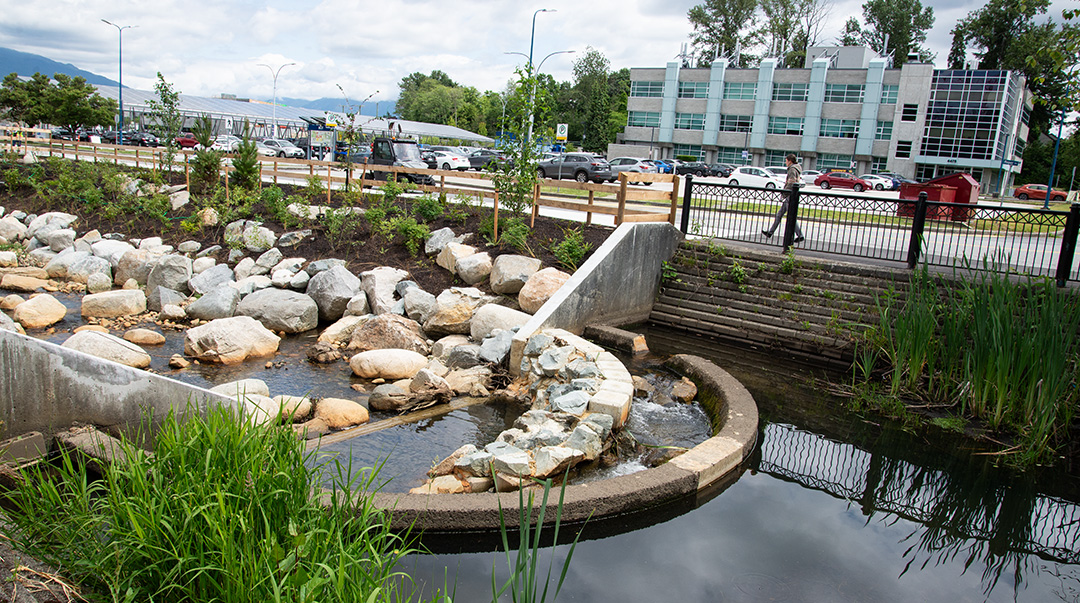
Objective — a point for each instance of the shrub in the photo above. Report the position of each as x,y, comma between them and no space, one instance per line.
413,233
572,249
246,170
428,208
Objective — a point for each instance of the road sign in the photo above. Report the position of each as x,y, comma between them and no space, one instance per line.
744,155
1010,162
561,131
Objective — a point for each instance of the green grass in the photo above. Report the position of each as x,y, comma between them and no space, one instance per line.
222,511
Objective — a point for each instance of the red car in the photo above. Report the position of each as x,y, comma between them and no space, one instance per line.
842,180
186,140
1037,191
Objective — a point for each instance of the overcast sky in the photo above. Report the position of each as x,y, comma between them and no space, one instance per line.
209,47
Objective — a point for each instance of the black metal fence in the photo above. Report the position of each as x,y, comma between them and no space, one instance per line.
1025,240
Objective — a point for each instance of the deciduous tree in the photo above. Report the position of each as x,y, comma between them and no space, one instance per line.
904,22
721,26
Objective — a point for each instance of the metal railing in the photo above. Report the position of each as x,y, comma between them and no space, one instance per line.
1024,240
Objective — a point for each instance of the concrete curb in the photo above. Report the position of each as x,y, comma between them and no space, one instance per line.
727,401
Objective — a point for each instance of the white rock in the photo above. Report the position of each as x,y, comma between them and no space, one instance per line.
110,304
387,364
109,347
230,340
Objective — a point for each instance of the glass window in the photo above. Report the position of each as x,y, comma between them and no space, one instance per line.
889,94
776,157
786,125
878,164
689,149
965,113
740,90
844,93
911,113
693,89
735,123
903,149
730,155
832,161
1018,150
790,92
839,128
647,89
644,119
689,121
884,130
1025,116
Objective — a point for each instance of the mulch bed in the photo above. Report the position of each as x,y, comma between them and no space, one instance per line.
362,250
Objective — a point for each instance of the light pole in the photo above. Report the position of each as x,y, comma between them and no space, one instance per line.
275,74
532,93
532,38
120,78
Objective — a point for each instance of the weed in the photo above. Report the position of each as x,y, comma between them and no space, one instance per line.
957,424
428,208
797,289
315,188
788,264
668,272
413,233
737,273
572,249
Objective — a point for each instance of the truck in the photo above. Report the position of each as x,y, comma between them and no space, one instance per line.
398,152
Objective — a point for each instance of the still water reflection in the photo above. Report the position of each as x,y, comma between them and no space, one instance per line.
831,507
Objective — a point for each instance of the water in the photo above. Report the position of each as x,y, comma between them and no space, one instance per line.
831,506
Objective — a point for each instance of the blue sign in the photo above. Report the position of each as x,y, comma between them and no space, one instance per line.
1010,162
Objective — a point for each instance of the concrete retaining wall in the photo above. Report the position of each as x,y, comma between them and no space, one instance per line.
617,285
47,388
705,464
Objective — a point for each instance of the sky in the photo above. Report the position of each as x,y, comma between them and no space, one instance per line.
210,47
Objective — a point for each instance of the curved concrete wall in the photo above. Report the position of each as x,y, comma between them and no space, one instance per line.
48,388
725,398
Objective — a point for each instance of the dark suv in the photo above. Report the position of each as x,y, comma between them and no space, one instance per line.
582,167
405,153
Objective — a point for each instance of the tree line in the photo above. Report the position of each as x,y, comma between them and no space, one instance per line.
65,101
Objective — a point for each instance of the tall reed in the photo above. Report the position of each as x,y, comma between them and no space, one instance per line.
1004,350
221,511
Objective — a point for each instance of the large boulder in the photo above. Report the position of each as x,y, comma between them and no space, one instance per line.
50,221
509,273
11,229
442,348
230,340
110,304
387,364
39,312
339,413
452,253
133,264
24,283
342,330
332,289
281,310
379,284
242,387
210,279
114,251
419,304
109,347
386,331
159,297
474,268
540,287
454,310
171,272
219,303
490,317
77,266
441,238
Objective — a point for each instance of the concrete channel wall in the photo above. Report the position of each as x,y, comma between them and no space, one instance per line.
48,388
616,286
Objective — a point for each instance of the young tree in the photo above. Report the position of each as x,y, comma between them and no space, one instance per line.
167,120
722,25
206,165
905,22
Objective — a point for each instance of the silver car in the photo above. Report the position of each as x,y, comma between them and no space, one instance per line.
283,148
582,167
632,164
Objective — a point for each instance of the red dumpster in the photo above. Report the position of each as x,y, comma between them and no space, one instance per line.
967,191
909,194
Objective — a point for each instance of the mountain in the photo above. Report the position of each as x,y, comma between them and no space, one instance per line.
331,103
27,64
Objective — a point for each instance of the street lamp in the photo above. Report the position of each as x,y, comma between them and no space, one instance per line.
532,38
120,78
275,74
532,94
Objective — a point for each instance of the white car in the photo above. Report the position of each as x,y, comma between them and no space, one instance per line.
283,148
226,142
446,160
880,183
262,149
748,175
809,176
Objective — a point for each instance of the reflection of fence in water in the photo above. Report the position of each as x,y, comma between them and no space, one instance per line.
1007,519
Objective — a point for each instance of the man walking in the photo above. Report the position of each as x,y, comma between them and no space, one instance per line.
794,178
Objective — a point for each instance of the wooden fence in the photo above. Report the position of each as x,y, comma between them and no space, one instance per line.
625,203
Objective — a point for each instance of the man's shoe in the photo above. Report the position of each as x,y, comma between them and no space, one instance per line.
768,235
798,240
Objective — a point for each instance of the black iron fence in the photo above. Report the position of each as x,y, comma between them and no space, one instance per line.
1024,240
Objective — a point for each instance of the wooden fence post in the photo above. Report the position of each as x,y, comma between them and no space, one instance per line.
674,199
535,205
329,184
496,225
622,199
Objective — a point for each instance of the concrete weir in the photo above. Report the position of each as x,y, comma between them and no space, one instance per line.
48,388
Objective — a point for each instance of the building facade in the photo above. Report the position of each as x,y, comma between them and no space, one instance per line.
845,110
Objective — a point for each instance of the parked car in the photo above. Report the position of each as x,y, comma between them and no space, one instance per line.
264,150
430,159
723,170
749,175
186,141
662,166
881,183
404,153
809,176
778,171
1037,191
842,180
283,148
66,134
226,142
632,165
448,160
697,168
141,139
582,167
486,159
897,177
